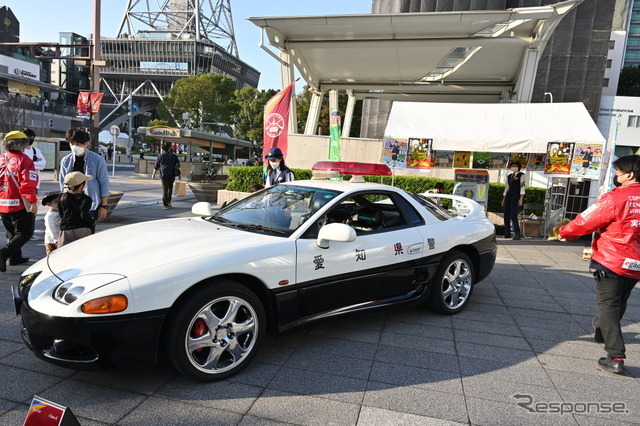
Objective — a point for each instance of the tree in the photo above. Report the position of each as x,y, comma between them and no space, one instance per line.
248,115
304,103
629,83
12,114
206,97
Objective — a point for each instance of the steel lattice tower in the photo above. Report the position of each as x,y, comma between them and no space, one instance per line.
198,19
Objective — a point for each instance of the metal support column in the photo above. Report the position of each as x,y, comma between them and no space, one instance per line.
287,77
348,114
314,113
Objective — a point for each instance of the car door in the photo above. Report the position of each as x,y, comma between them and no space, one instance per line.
384,261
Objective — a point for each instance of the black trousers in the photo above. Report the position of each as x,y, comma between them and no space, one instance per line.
612,292
167,190
511,210
19,226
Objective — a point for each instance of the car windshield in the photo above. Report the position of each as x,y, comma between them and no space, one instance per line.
279,209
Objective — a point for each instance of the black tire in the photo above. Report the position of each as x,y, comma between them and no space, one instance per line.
453,284
215,331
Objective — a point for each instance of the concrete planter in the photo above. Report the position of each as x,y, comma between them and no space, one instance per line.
112,200
206,191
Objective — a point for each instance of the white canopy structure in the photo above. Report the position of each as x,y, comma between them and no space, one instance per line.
465,56
493,127
106,137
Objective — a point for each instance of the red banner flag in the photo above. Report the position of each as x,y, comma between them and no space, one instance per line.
84,104
276,121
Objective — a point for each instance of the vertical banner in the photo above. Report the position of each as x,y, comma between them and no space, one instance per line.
88,104
559,155
420,156
334,136
276,121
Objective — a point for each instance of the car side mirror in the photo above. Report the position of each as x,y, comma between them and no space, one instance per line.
335,232
201,209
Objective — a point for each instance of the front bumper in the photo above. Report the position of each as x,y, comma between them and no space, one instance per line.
90,342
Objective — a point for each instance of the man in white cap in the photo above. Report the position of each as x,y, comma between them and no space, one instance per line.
18,199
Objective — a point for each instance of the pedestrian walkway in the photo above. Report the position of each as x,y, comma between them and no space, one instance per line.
521,353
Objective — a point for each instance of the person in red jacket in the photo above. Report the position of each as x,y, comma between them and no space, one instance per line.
615,262
18,200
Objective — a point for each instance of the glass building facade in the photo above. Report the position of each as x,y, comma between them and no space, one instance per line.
132,61
632,53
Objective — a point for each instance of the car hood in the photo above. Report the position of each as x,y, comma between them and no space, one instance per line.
135,248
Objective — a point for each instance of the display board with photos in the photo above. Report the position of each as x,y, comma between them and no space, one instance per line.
587,159
394,153
481,160
461,159
419,154
535,162
559,157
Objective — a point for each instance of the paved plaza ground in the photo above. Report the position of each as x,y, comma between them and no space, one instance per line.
520,353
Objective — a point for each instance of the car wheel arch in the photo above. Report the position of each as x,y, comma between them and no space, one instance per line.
470,251
252,283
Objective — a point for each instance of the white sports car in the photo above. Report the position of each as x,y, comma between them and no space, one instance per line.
203,291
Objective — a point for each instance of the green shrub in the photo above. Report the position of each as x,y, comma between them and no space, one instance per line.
243,178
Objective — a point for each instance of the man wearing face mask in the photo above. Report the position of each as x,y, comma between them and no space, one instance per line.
88,162
512,200
277,171
615,262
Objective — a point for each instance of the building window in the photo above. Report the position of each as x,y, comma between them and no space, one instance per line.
609,63
612,44
634,121
606,82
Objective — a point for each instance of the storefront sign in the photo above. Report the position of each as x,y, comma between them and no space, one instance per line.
163,131
20,68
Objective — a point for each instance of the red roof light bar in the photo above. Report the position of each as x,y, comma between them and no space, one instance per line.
353,168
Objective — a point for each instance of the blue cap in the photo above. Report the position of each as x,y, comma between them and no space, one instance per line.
273,154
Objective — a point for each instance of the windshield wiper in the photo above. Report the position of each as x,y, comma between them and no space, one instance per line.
220,219
260,228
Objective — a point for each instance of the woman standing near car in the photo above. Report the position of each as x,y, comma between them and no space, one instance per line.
277,171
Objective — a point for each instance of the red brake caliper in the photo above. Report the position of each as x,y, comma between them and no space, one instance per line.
199,329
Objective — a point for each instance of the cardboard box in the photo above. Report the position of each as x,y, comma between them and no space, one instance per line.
532,227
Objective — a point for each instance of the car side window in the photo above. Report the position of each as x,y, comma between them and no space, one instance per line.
367,212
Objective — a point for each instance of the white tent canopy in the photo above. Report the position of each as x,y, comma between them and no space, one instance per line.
106,137
493,127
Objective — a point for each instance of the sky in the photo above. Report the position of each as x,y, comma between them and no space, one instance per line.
42,20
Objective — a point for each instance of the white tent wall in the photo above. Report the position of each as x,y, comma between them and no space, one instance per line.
493,127
504,128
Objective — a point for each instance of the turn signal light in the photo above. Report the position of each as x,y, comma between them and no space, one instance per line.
106,305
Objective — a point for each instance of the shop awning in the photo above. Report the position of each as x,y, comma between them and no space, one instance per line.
192,137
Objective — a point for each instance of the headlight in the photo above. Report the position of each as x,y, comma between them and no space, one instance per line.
71,290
